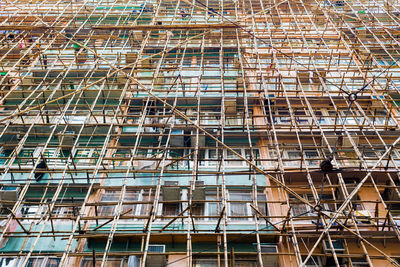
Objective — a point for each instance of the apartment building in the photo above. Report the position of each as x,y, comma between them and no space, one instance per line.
199,133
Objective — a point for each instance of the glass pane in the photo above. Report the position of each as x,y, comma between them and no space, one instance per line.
205,263
239,196
245,263
212,210
231,155
34,262
8,262
311,156
295,156
145,209
111,262
52,262
298,208
198,210
170,209
262,206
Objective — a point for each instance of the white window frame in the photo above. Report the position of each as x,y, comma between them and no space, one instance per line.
87,159
205,118
138,207
291,162
20,261
311,161
75,119
247,207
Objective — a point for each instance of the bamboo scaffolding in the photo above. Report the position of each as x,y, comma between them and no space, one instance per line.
119,97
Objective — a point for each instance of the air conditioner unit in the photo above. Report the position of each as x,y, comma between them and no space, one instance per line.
130,58
146,63
240,83
376,104
153,258
230,105
190,112
317,74
199,192
68,140
9,192
270,260
347,143
391,194
303,76
26,81
177,138
337,245
171,192
202,139
331,141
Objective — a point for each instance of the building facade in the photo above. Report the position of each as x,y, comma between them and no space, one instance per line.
199,133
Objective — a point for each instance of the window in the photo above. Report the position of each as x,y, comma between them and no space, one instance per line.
298,208
231,160
198,210
256,155
380,117
321,117
282,117
170,209
293,159
212,154
337,246
74,119
32,262
87,155
120,157
210,118
32,211
239,205
211,208
63,211
301,117
25,156
114,196
339,249
262,204
147,200
245,263
311,158
231,155
349,159
238,162
359,262
9,262
53,262
111,262
205,263
5,154
272,161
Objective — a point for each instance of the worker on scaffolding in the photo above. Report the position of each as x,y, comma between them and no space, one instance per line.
184,13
